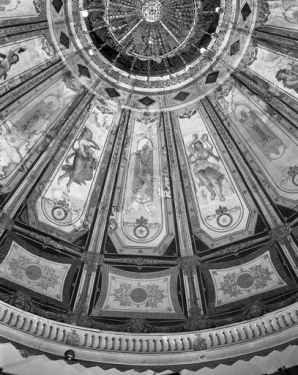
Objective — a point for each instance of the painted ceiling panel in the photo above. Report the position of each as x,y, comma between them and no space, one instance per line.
46,277
25,55
24,129
148,179
222,208
142,214
258,273
63,198
142,295
266,141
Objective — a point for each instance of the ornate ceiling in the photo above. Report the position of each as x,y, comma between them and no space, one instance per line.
149,180
152,38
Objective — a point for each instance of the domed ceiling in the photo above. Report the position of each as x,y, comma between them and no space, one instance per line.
152,38
149,180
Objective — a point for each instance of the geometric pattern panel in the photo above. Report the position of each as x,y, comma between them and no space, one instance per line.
40,275
139,295
245,278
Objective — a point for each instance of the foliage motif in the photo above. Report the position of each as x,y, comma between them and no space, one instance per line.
154,295
121,295
48,278
260,274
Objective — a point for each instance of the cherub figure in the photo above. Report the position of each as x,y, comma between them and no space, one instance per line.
6,61
205,171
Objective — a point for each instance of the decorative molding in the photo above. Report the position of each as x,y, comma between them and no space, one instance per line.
47,241
181,216
23,29
100,347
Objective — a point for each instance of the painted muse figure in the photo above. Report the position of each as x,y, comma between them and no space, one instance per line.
84,162
206,172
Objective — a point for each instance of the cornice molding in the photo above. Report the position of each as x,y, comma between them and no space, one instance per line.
190,349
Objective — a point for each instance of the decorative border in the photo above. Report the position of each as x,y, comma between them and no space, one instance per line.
151,351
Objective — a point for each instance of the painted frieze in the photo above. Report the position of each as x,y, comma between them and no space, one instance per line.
141,222
64,197
130,294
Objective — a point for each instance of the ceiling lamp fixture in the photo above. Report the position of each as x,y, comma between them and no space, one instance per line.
149,33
